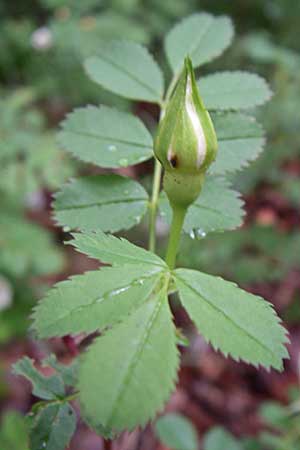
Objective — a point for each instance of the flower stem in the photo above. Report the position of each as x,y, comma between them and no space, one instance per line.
157,176
153,204
174,238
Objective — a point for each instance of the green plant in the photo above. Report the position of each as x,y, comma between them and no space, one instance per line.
129,371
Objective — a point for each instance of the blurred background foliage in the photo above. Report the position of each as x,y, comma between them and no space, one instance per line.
42,46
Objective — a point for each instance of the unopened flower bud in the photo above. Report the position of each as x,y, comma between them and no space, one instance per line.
186,142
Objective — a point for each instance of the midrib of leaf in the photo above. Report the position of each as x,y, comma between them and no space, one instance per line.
208,208
162,265
239,138
235,89
135,359
129,74
103,203
243,330
106,138
111,293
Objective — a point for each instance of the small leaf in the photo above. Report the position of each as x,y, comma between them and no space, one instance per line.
68,372
106,202
237,323
240,141
53,427
217,208
132,368
106,137
48,388
176,432
94,300
127,69
219,439
114,250
202,37
233,90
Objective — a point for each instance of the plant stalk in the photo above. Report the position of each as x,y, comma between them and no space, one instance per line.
153,205
174,238
157,175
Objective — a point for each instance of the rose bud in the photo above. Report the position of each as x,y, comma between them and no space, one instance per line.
186,142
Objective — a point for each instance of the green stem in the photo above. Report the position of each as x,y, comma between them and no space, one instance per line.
157,176
174,238
153,205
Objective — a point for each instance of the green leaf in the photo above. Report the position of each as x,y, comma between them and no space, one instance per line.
202,37
232,320
67,372
13,432
219,439
48,388
233,90
106,137
132,368
240,141
114,250
217,208
105,202
95,300
127,69
53,427
176,432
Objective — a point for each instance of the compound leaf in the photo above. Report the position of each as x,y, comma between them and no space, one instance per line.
217,208
52,427
234,321
105,202
106,137
202,37
94,300
132,368
48,388
114,250
127,69
240,140
233,90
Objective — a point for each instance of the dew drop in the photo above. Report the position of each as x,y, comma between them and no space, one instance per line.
123,162
137,219
200,234
192,234
66,229
112,148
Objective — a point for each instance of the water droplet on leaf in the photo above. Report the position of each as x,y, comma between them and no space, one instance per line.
200,234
